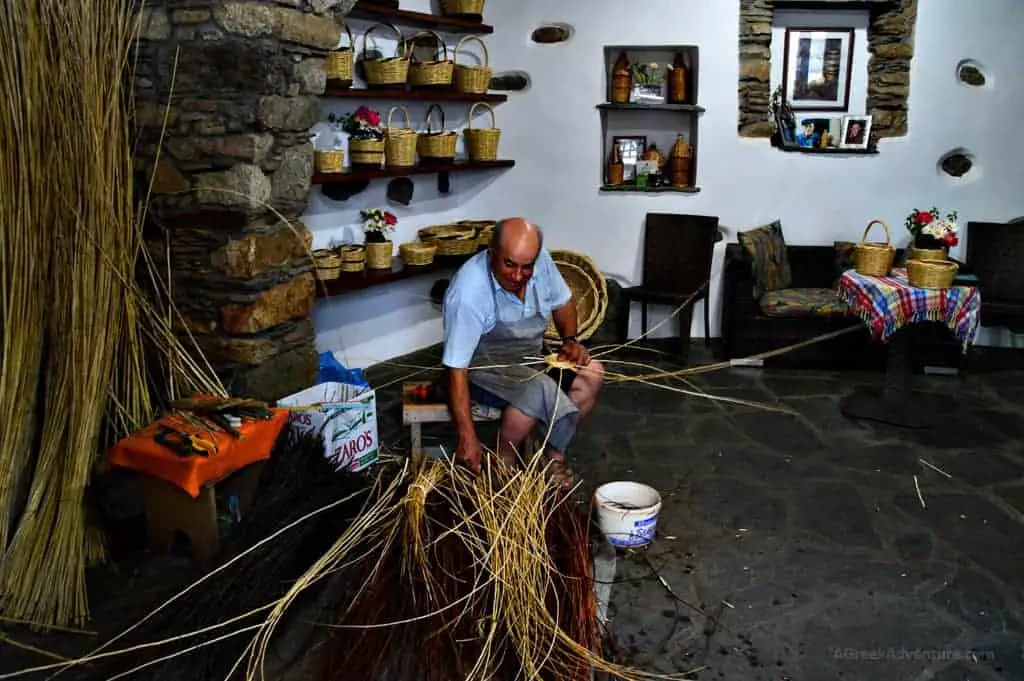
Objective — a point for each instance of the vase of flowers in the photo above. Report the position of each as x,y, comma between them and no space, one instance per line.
378,224
649,83
933,234
365,138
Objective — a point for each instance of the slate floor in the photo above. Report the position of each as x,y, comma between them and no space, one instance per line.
796,546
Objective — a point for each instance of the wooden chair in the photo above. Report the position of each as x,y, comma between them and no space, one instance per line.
995,255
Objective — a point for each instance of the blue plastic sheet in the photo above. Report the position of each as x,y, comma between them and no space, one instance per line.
333,371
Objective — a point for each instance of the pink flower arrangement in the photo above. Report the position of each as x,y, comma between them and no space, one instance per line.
363,123
377,223
931,230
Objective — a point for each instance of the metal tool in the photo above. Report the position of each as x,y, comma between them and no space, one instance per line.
183,444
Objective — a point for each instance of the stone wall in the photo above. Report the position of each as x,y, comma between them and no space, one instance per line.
226,92
890,43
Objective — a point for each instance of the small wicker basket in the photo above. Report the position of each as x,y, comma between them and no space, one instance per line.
436,146
473,79
326,264
387,72
338,65
450,239
484,230
926,254
399,143
353,258
367,153
462,8
379,254
329,160
873,258
417,253
436,73
481,143
931,273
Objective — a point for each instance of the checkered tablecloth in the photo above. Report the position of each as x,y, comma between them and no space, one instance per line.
887,304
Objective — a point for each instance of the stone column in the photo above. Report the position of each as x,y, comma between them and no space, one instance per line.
226,92
891,43
755,67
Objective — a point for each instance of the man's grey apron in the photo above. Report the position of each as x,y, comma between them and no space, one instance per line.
527,388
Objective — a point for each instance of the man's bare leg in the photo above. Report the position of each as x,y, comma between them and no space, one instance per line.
515,428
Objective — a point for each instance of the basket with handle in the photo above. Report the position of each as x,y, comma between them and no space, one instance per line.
417,253
436,146
481,143
436,73
874,258
386,72
353,257
399,143
327,264
931,273
462,8
379,254
329,160
473,79
338,64
450,239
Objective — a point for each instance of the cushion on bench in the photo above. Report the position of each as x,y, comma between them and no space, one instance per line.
802,302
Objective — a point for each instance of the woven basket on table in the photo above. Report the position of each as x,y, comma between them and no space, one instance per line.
481,143
434,73
474,79
450,239
417,253
399,143
379,255
329,160
874,258
589,292
914,253
931,273
457,8
353,258
338,65
326,264
367,153
386,72
436,146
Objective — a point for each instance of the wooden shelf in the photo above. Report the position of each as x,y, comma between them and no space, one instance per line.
371,12
350,282
638,106
827,151
648,190
423,169
411,95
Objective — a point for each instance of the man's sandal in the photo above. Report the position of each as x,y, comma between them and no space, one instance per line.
561,474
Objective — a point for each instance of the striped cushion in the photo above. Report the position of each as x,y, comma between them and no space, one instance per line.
767,249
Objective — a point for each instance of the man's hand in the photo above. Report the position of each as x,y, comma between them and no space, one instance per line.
469,452
575,353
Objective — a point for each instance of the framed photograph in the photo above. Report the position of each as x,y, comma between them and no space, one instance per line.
631,150
819,132
856,131
816,68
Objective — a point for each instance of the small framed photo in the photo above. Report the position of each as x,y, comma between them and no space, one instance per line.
816,68
819,132
856,131
631,151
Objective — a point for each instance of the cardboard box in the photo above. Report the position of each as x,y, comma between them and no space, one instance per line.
344,416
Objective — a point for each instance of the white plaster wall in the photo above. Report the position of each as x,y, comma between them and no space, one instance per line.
553,131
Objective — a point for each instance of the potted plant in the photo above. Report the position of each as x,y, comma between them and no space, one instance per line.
365,137
649,83
377,224
933,234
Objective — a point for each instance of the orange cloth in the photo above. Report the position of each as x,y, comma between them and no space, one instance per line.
140,451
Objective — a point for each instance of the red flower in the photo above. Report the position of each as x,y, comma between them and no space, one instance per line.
390,219
924,217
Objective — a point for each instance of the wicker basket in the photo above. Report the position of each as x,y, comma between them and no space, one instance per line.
379,254
473,79
329,161
873,258
430,74
399,143
387,72
461,8
926,254
589,292
484,230
450,239
338,65
326,264
366,153
353,257
436,146
931,273
481,143
417,253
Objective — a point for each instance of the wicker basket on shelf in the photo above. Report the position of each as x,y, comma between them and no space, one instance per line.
338,65
326,264
931,273
329,160
417,253
353,258
435,73
589,292
386,72
914,253
473,79
461,8
450,239
481,143
874,258
379,255
484,230
366,153
399,143
436,146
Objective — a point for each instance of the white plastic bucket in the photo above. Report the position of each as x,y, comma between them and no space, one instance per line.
627,512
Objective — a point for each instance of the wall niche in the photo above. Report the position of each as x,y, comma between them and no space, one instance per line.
891,48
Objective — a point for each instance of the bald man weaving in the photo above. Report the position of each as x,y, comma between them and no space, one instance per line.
496,311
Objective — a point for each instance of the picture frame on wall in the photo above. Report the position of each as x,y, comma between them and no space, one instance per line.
819,132
856,132
817,67
631,151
